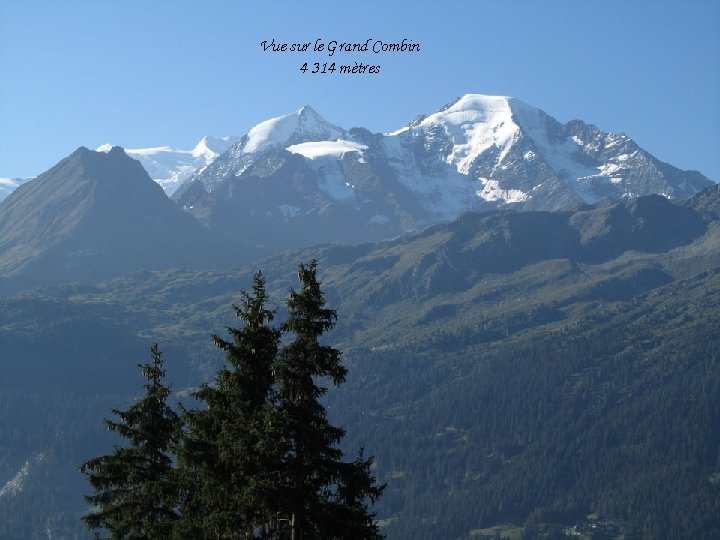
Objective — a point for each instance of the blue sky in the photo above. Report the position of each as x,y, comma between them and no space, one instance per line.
158,73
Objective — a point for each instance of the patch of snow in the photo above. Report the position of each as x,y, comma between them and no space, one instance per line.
242,169
609,168
209,147
16,484
398,131
156,150
612,141
316,149
492,191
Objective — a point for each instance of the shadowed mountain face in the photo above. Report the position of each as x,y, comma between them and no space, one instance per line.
96,215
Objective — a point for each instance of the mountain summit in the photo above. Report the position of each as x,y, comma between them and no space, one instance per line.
92,216
298,179
516,153
301,126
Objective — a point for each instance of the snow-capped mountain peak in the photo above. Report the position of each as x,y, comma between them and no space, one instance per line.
469,108
514,152
211,147
478,151
472,124
292,130
303,125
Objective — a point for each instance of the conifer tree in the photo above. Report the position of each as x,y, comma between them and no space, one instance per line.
229,452
259,459
135,486
321,495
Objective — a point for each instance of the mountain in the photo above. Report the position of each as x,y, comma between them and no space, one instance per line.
170,167
707,202
510,372
478,149
299,180
285,184
95,215
520,154
275,134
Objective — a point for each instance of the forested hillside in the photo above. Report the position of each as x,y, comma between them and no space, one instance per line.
512,373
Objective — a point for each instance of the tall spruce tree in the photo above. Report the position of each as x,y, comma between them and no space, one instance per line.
135,486
321,495
259,459
230,451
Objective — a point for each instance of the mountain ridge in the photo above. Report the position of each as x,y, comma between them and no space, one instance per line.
298,180
476,153
92,216
170,167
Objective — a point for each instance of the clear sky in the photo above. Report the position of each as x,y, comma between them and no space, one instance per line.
153,73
